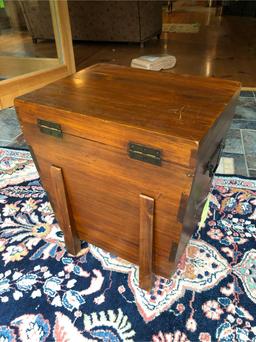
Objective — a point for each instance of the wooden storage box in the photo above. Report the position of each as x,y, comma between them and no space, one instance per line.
127,157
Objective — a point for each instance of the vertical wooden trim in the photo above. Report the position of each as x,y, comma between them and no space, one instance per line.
64,214
62,33
146,242
182,207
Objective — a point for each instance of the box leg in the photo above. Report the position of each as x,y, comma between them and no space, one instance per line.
146,242
63,211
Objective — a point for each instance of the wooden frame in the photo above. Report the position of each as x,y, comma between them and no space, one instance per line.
51,69
248,89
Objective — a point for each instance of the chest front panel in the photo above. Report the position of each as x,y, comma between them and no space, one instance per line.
104,184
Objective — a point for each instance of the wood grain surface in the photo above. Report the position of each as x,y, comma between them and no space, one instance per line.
146,242
178,105
103,185
102,109
63,209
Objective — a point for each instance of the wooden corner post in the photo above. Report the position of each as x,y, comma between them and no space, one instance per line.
63,211
146,242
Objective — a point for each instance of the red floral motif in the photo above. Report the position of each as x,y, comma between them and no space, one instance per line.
215,234
212,309
180,308
204,337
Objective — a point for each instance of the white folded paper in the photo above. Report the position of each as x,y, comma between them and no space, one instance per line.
154,62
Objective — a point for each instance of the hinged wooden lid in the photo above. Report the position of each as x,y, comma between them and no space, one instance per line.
177,105
177,108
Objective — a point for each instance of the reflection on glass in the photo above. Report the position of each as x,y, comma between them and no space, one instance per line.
208,68
24,46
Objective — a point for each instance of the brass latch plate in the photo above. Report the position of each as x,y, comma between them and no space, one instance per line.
145,154
50,128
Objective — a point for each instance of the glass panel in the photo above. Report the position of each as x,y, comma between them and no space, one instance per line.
26,38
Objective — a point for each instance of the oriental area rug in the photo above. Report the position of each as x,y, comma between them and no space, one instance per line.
47,294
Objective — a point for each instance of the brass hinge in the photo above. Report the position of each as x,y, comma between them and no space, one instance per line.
145,154
50,128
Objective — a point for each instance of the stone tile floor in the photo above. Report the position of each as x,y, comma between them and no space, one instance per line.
10,131
238,157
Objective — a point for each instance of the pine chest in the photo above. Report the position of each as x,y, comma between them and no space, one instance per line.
127,157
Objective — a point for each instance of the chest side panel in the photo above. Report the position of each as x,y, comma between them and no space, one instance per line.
206,161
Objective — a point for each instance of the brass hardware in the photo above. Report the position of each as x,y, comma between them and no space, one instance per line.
173,252
50,128
190,174
145,154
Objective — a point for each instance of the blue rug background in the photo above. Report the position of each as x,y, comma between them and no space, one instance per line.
49,295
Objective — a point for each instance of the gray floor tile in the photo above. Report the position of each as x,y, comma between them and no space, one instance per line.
4,143
252,173
251,161
245,93
226,166
249,140
9,124
246,109
233,143
19,143
239,163
243,124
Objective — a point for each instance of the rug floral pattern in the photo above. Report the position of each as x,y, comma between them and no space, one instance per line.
48,295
